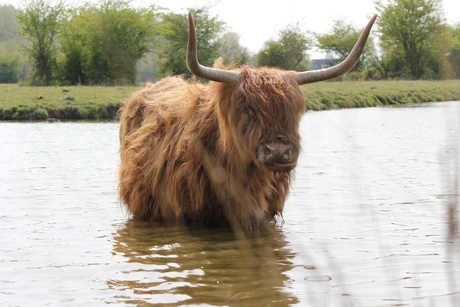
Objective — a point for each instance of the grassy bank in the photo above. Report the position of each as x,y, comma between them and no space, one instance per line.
74,102
84,102
358,94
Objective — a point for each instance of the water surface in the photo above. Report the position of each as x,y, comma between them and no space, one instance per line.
366,222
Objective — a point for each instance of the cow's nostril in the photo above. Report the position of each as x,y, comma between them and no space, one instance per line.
268,151
276,152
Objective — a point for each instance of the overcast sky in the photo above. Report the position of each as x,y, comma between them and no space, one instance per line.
258,21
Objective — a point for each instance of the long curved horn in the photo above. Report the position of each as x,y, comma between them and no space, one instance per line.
214,74
341,68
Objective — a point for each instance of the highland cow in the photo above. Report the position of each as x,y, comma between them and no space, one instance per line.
221,154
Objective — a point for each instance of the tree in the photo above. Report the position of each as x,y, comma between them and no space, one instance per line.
289,51
454,53
40,21
173,45
410,32
9,26
103,43
271,54
341,40
231,50
174,36
10,68
10,56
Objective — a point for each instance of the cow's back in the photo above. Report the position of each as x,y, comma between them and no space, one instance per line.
155,102
149,120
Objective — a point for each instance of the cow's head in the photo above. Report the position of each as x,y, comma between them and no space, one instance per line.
260,108
263,117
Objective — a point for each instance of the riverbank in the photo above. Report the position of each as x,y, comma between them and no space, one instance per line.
359,94
97,102
70,102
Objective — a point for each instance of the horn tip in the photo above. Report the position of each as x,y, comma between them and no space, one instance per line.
374,18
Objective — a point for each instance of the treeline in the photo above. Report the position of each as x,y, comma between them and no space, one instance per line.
111,42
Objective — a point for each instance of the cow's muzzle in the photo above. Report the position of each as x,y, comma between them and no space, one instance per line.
277,156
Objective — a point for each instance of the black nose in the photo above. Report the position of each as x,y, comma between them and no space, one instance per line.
276,152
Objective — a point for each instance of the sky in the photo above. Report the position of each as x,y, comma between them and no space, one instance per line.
258,21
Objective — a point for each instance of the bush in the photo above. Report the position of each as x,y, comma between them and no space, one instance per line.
10,68
41,113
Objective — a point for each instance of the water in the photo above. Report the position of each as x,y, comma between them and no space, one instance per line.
366,222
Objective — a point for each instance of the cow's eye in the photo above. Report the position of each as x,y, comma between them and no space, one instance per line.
251,114
245,109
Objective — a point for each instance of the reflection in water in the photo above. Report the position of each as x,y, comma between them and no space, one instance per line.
184,265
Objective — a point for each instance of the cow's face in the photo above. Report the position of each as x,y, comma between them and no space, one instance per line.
263,117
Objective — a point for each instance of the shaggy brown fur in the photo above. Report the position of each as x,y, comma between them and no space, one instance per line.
189,151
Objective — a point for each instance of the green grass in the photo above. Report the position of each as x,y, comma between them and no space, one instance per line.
74,102
98,102
358,94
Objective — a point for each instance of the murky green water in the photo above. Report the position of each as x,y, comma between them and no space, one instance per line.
366,223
